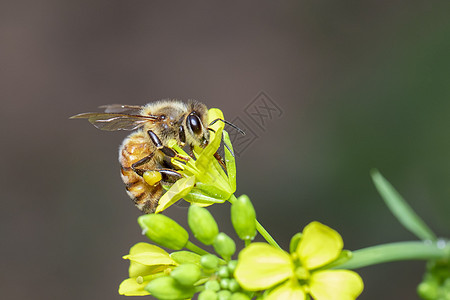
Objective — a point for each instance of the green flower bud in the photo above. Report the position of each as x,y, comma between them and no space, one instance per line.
233,285
232,266
164,231
202,224
185,257
224,295
166,288
243,217
209,261
224,283
212,285
223,272
224,245
446,285
294,242
428,290
186,274
239,296
207,295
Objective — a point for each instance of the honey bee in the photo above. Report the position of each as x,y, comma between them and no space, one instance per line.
146,148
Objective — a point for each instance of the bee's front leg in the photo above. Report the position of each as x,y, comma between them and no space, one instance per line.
141,162
164,149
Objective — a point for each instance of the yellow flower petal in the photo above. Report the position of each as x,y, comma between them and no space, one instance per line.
230,161
137,269
149,255
290,290
261,266
146,259
335,285
151,259
178,190
214,114
130,287
146,247
319,245
205,156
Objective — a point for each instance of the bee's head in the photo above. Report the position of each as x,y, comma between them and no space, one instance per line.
196,125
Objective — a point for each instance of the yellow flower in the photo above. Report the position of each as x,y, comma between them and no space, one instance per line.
147,262
204,180
301,273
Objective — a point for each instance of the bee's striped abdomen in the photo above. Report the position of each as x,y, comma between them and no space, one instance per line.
134,148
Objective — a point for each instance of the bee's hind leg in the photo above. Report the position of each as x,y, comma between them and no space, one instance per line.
141,162
167,175
160,176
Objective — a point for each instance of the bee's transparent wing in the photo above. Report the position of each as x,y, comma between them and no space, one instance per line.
113,121
122,108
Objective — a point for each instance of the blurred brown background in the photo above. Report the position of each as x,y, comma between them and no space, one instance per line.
360,85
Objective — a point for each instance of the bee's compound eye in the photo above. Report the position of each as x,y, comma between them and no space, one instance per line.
193,122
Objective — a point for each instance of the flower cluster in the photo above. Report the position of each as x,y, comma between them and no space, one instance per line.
436,282
181,274
261,269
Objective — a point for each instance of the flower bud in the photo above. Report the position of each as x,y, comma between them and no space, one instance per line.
164,231
185,257
168,288
212,285
223,272
207,295
232,266
224,283
243,217
202,224
239,296
224,295
224,245
233,285
186,274
294,242
428,290
209,261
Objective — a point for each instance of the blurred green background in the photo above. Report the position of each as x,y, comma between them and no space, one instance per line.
361,84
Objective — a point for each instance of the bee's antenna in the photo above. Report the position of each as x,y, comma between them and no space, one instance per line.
228,123
224,143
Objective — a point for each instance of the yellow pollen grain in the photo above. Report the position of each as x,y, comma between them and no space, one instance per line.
152,177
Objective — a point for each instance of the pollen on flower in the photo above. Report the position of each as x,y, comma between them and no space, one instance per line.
139,279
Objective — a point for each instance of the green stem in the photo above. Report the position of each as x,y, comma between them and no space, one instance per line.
415,250
195,248
262,231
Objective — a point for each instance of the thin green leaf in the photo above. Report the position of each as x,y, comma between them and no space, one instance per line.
400,208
